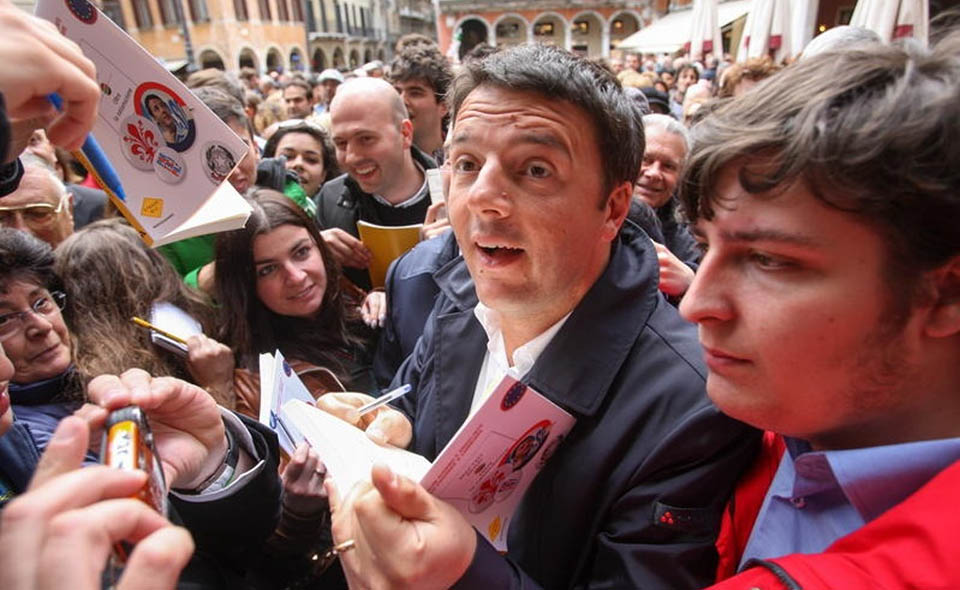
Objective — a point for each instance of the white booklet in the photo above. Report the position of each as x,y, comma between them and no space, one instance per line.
171,153
170,318
279,384
485,469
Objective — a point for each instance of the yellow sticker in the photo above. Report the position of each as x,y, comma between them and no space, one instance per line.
494,528
151,207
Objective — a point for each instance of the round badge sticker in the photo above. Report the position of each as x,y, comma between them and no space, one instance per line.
512,396
527,445
170,113
139,141
83,10
218,162
169,166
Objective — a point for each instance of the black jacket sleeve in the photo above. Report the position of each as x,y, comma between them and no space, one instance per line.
10,173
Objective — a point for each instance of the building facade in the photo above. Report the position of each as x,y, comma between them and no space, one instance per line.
591,28
267,35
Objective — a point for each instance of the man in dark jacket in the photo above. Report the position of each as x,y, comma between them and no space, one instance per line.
553,289
384,182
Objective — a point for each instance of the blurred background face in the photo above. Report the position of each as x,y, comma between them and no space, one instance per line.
297,101
687,77
38,207
36,342
329,90
290,274
245,174
660,170
425,111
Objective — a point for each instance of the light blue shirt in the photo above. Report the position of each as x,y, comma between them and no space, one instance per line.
816,497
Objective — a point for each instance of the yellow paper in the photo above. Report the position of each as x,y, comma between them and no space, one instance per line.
386,244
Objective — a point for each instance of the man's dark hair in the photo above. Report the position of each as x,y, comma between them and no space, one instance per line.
559,75
422,62
870,130
413,40
25,258
299,83
480,52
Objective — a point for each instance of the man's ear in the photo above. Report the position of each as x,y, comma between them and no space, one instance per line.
944,318
616,208
406,129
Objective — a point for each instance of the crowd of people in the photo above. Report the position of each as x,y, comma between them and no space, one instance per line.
742,280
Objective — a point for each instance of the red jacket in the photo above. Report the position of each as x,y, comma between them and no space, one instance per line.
911,546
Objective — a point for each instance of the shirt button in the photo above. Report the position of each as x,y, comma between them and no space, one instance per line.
799,502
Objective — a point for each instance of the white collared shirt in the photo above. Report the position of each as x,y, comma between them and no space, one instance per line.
495,365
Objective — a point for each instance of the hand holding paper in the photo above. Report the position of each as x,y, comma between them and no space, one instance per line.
429,546
384,425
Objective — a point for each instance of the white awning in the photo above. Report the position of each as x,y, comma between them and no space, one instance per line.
668,34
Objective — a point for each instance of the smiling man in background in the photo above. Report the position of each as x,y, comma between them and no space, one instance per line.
384,181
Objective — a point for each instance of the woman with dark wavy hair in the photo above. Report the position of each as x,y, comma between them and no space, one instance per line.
280,288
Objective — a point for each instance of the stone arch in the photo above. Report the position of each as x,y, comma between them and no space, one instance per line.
511,29
338,61
474,30
275,59
589,34
631,21
380,55
211,58
318,60
354,59
296,60
553,29
367,56
247,58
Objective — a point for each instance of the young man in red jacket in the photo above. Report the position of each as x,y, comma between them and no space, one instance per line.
828,301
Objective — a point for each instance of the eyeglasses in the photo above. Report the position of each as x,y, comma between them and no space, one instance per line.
45,306
36,216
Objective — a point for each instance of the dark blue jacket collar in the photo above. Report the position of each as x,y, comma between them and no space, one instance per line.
624,296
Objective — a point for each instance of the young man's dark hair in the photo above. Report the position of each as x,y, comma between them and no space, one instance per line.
413,40
560,75
424,62
480,52
299,83
853,142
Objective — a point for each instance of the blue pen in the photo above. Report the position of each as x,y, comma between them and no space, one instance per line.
97,163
